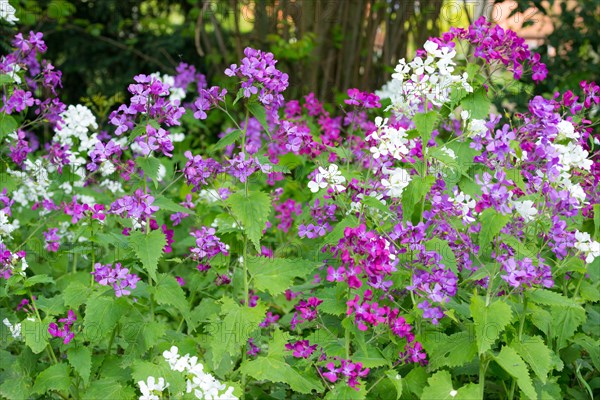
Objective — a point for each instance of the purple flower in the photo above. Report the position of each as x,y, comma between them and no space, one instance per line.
301,348
138,206
118,277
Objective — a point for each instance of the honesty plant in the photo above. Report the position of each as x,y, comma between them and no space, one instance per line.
420,244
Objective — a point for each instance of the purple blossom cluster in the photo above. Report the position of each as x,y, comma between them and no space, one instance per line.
207,99
198,171
493,43
364,255
284,212
52,240
103,152
321,215
138,206
78,211
118,277
65,331
301,348
523,273
8,260
362,99
347,370
207,246
155,139
260,77
307,310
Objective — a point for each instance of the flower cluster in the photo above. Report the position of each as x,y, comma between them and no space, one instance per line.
118,277
202,384
52,240
152,388
260,76
331,178
198,171
307,310
139,206
207,246
346,370
64,331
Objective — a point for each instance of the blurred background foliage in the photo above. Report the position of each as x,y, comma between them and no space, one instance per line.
326,46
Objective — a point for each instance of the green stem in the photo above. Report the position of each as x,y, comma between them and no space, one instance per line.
110,341
347,332
483,364
37,314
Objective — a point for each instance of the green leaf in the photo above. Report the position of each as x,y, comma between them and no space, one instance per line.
489,320
51,306
414,193
260,114
35,334
477,103
564,323
597,222
7,125
342,391
231,331
536,354
549,298
492,223
273,369
424,124
55,377
5,78
108,388
415,381
275,275
337,233
36,279
450,351
101,316
440,388
15,389
169,292
76,294
148,248
396,380
334,300
510,361
253,212
372,359
226,140
444,250
141,370
169,205
80,359
591,346
150,166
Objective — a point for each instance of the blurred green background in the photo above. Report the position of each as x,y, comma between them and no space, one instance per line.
326,46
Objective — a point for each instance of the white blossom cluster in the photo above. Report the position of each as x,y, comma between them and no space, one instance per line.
15,330
7,12
397,180
202,384
525,209
466,205
590,248
388,140
7,227
424,80
33,183
330,177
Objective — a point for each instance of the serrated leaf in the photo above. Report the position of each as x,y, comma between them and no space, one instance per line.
273,369
444,250
337,233
510,361
148,248
7,125
275,275
492,223
169,205
550,298
451,351
150,166
591,346
489,321
80,359
35,334
396,380
260,114
76,294
55,377
477,103
342,391
229,138
169,292
232,330
334,300
536,354
51,306
253,212
101,316
15,389
108,388
424,124
415,381
37,279
564,323
440,388
414,193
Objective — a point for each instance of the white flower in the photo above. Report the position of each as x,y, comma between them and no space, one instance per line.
7,12
150,388
466,203
566,130
465,114
15,330
525,209
398,180
331,177
171,355
6,227
571,156
586,245
453,393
